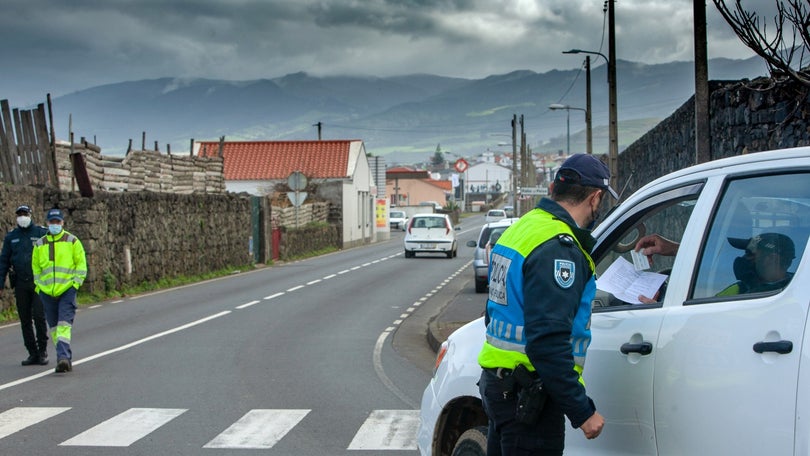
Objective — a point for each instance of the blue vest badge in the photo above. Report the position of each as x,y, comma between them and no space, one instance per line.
564,273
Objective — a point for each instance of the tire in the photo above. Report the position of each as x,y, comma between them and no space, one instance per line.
473,442
450,254
408,254
480,286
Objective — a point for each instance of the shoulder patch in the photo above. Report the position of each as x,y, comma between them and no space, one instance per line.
565,239
564,272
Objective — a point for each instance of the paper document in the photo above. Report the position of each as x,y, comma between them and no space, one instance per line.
623,281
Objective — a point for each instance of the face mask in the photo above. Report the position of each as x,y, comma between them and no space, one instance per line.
24,221
55,229
744,269
596,214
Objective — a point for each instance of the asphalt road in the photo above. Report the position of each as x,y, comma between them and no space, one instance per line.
323,356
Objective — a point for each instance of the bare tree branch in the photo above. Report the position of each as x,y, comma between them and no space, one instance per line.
778,48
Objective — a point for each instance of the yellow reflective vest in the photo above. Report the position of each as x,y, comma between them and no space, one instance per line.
58,263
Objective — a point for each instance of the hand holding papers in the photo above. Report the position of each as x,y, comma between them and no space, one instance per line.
626,283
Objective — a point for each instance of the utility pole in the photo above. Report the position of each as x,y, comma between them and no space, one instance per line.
588,134
319,125
613,151
514,164
703,151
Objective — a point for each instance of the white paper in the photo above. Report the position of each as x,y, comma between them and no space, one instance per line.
623,281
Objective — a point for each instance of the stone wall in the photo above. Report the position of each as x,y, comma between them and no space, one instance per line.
746,117
297,242
136,237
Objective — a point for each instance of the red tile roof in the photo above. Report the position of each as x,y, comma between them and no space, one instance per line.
444,185
268,160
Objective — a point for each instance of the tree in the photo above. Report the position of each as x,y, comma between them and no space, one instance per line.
438,156
785,50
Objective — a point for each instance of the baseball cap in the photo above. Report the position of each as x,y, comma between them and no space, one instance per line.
25,209
591,171
772,242
54,214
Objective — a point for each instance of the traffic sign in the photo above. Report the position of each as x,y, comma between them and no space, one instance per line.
461,165
534,191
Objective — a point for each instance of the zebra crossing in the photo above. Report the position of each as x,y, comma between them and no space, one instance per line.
258,429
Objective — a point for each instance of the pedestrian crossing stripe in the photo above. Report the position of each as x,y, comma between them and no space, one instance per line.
20,418
387,429
257,429
125,429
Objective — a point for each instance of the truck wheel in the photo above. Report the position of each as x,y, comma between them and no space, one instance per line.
473,442
480,286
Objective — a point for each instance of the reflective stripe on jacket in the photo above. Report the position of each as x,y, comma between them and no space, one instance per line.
58,263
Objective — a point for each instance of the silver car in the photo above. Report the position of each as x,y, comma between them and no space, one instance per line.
489,234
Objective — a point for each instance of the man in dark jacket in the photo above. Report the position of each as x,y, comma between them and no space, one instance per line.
15,260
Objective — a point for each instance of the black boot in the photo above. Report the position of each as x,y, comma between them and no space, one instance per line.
63,365
32,359
43,357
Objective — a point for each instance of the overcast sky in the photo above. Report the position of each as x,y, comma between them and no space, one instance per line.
59,47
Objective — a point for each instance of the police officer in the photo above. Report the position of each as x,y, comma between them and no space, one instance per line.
59,267
541,284
15,260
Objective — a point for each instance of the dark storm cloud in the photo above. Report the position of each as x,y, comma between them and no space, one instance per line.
59,47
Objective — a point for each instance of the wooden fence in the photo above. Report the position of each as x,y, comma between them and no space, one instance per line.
30,155
26,152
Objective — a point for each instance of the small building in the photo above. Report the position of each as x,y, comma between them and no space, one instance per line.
340,169
408,187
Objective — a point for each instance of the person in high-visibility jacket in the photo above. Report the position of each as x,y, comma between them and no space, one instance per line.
60,267
541,285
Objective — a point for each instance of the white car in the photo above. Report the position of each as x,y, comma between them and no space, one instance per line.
698,371
397,220
430,233
493,215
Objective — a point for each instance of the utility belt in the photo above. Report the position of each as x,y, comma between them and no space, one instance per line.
531,397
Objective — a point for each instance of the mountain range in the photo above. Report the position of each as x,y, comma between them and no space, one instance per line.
405,118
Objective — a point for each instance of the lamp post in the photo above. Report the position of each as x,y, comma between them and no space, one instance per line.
568,109
613,132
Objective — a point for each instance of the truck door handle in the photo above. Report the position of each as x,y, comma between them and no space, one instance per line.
783,347
645,348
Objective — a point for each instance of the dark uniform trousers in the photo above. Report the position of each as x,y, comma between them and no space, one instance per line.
30,310
508,437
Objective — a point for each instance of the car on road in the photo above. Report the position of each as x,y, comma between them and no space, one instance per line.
397,220
695,370
493,215
510,211
488,235
431,233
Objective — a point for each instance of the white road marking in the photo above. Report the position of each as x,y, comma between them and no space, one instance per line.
117,349
387,430
274,295
258,429
247,304
125,429
313,282
20,418
295,288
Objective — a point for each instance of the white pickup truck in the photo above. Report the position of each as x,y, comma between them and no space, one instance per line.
700,370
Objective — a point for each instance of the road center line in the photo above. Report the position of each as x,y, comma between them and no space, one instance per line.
118,349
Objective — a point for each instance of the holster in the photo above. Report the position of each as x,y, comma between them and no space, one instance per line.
12,277
531,396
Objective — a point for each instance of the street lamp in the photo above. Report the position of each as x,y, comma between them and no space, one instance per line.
568,109
613,131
